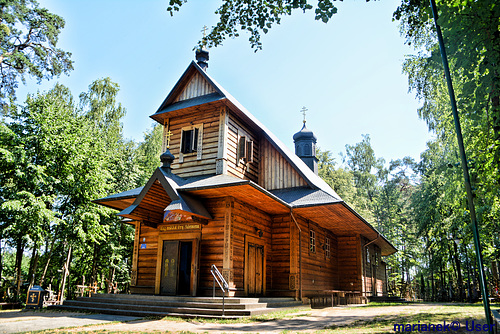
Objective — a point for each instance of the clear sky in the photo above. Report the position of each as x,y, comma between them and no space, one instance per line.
347,72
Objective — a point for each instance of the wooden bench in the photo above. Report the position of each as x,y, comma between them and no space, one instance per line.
337,297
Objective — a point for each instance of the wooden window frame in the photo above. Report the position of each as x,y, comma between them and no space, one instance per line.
312,241
327,248
245,149
196,142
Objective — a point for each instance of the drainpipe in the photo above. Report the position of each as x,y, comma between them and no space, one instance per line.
300,251
364,266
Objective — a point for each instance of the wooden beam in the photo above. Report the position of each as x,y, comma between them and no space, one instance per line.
227,267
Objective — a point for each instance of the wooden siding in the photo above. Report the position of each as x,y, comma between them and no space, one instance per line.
276,172
349,262
146,267
374,282
318,271
191,165
281,257
197,86
236,167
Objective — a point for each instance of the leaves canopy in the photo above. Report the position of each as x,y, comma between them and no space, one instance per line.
28,45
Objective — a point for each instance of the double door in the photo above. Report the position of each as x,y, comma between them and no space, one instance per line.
178,268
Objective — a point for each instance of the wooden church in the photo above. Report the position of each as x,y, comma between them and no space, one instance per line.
230,194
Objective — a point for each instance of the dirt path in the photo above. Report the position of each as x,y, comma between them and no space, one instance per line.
304,321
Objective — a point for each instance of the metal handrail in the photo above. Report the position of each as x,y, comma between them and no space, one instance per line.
221,281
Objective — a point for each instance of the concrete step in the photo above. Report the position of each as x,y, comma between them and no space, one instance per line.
136,313
189,307
161,303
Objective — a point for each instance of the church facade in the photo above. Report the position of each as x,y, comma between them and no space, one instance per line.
230,194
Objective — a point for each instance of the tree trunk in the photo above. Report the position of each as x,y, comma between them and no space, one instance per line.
1,259
33,265
19,261
93,278
42,279
65,273
459,274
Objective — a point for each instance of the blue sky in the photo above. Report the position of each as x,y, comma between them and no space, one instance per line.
347,72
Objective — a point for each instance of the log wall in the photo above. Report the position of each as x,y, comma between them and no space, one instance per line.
349,262
275,171
237,167
146,262
192,165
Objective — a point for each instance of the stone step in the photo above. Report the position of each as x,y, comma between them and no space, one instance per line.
189,307
158,309
228,300
136,313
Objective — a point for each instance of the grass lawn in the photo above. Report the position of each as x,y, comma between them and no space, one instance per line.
463,316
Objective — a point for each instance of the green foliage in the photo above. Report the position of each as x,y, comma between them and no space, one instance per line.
28,40
255,17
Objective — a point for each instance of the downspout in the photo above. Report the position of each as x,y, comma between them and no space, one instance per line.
364,266
300,251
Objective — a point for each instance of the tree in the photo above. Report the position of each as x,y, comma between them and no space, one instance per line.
255,16
28,40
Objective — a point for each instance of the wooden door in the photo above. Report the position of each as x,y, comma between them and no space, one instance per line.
255,258
185,260
170,256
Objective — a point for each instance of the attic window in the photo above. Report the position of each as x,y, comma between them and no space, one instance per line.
245,149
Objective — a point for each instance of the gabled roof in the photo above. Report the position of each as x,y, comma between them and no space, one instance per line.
143,206
220,94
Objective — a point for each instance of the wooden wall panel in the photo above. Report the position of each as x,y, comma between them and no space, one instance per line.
191,166
235,167
198,86
247,220
276,172
349,262
146,262
318,271
211,245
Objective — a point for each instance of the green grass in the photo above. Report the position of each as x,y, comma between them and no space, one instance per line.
434,314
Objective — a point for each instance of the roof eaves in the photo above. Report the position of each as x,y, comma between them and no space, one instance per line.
370,225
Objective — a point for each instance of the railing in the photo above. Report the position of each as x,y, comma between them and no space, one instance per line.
222,284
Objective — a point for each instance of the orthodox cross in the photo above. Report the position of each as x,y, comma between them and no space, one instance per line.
303,112
204,31
169,134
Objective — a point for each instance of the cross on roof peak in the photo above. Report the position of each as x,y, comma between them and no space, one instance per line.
303,112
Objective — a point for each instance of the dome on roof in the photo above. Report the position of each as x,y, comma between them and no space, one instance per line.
304,134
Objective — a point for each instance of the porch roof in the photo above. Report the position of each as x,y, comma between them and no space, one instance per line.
313,204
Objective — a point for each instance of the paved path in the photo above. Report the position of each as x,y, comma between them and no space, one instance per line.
22,321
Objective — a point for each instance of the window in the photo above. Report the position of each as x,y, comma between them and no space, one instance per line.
367,255
312,241
189,141
245,149
327,247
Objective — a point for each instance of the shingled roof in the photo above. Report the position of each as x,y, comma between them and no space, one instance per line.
220,94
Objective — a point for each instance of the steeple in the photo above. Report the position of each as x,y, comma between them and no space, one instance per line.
202,55
305,145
